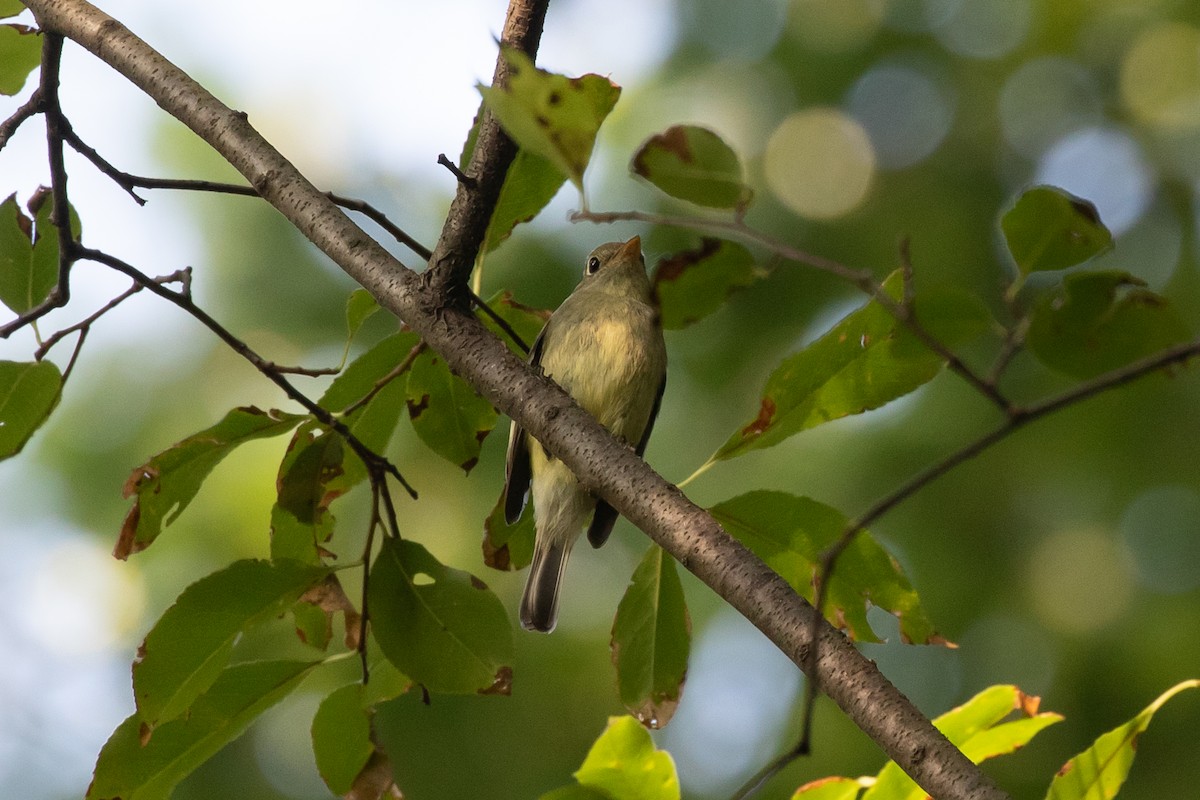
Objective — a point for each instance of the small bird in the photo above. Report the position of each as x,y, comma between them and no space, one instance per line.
604,346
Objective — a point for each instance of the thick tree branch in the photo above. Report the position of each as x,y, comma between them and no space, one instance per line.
601,462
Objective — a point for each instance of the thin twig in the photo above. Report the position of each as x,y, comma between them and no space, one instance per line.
394,373
183,301
459,175
31,107
366,578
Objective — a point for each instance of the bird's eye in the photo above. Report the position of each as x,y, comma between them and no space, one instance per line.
593,265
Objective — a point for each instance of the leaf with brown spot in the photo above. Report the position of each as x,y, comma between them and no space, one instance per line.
164,486
692,284
693,164
314,611
508,547
563,130
448,415
651,639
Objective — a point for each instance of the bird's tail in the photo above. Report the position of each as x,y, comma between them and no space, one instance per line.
539,604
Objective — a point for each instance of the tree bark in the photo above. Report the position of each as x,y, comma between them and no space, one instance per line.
603,464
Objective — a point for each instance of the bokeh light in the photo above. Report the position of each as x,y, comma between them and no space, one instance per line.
1077,580
979,28
819,163
1160,77
834,26
905,110
746,30
1161,529
1044,100
1106,166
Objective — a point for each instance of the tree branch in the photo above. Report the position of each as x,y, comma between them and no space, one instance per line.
466,223
602,463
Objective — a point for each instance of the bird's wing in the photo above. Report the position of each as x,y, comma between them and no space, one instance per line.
606,516
516,465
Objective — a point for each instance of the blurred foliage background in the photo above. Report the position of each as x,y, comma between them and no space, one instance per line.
1065,560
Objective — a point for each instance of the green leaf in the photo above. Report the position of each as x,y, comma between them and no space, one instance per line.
576,792
190,644
10,8
834,788
300,520
387,683
166,484
1049,228
1099,321
650,640
508,547
790,533
978,729
26,280
360,307
531,183
441,627
624,764
1098,772
29,391
313,614
526,321
550,115
20,54
341,736
132,768
694,283
865,361
693,164
448,415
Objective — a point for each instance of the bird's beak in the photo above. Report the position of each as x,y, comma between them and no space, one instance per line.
631,249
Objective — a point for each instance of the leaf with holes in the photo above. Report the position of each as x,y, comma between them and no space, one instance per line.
300,519
550,115
1049,228
449,416
164,486
29,391
651,637
790,533
692,284
693,164
190,644
130,767
439,626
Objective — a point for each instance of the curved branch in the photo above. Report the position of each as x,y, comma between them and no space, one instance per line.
602,463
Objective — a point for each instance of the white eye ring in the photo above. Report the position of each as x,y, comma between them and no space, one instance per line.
593,265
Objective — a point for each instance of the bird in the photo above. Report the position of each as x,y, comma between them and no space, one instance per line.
604,346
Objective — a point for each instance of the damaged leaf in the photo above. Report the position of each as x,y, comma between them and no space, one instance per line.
692,284
550,115
164,486
865,361
300,519
651,637
693,164
1049,228
790,533
441,627
314,610
448,415
508,547
1097,321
